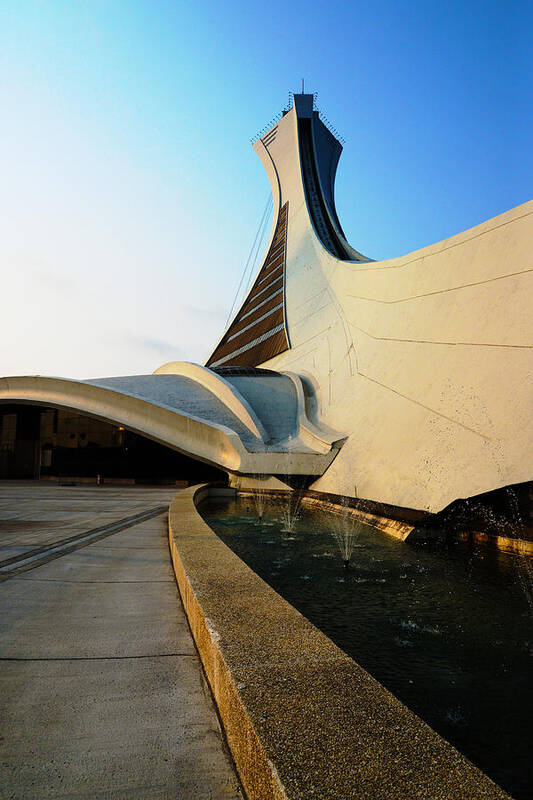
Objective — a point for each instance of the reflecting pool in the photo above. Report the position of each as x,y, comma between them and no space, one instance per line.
447,627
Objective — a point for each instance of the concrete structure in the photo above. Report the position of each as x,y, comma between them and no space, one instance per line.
245,423
424,361
405,382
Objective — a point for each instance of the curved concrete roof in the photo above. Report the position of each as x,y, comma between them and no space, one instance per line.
182,395
197,413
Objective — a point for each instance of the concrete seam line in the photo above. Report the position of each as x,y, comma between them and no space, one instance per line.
65,580
79,542
120,524
97,658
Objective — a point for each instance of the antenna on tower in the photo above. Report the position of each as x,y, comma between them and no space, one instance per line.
303,86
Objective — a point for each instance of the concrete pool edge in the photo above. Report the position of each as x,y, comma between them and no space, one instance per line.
301,718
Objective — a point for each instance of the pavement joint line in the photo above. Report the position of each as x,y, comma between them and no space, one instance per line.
34,551
60,580
51,552
126,547
98,658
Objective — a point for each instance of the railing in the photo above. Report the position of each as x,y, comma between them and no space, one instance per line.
329,125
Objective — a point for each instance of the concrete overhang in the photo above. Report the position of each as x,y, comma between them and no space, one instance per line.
195,412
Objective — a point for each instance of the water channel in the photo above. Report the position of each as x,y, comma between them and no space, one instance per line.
447,627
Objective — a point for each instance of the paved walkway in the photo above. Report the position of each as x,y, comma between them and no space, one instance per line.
101,690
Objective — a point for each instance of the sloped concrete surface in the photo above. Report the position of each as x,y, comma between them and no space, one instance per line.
179,393
102,693
273,397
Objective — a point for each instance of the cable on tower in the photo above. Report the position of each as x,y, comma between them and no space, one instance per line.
260,228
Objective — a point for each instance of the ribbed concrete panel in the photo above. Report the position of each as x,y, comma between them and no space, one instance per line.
258,331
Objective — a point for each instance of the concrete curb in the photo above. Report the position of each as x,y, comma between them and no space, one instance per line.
301,718
393,526
520,547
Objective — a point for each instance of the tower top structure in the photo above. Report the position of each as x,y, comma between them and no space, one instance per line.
300,154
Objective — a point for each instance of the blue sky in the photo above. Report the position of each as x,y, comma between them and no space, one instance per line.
130,195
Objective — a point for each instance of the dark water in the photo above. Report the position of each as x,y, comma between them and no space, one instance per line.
446,627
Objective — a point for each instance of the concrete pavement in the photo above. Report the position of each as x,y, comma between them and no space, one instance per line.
101,691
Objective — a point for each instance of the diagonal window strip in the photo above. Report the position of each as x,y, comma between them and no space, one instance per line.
248,346
272,271
255,322
262,303
268,286
276,251
268,264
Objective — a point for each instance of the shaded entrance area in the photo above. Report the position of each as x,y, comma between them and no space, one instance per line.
47,443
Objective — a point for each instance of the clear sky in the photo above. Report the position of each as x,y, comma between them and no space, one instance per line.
130,195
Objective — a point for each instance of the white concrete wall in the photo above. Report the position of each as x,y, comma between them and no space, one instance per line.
424,360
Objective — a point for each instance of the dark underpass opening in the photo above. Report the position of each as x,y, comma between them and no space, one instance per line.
59,444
